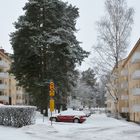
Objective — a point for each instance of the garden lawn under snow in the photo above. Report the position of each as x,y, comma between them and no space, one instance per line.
96,127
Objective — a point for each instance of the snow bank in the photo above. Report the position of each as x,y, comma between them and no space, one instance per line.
1,104
17,116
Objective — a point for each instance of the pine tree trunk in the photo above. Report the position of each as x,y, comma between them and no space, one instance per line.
58,107
64,107
46,111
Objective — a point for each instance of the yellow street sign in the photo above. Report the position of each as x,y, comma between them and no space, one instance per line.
51,85
51,105
51,93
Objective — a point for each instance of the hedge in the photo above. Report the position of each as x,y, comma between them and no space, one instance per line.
17,116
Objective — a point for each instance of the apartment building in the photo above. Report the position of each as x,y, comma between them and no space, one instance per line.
116,85
10,93
128,85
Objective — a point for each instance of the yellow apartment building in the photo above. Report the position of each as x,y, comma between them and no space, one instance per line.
123,104
128,86
115,95
10,93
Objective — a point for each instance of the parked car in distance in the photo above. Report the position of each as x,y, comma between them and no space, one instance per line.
69,116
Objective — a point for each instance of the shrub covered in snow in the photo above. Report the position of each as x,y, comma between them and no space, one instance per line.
17,116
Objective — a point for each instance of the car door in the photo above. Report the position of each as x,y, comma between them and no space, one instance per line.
65,118
62,118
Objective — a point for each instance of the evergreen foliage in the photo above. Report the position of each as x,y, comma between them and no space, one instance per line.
86,89
46,49
89,78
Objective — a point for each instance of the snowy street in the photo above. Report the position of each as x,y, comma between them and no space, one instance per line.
96,127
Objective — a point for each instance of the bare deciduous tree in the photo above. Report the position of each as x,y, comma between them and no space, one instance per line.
113,36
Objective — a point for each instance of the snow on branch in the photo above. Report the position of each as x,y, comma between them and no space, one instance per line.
17,116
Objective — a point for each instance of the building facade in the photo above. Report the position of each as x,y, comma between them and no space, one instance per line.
10,93
128,85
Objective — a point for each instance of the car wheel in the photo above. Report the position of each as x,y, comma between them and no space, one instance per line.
76,120
54,119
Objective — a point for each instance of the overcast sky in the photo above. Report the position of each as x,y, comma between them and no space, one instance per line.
90,12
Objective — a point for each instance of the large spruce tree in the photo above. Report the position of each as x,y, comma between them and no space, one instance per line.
46,49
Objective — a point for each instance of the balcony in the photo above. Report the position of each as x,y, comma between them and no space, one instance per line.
136,108
136,91
2,87
4,98
124,97
4,75
3,64
135,57
114,76
124,85
19,92
124,72
136,75
125,109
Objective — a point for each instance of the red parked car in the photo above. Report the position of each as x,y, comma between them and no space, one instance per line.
69,116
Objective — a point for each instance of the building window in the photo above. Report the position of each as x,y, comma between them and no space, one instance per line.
16,96
1,93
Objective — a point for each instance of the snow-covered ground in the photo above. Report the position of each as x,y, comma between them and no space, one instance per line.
96,127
